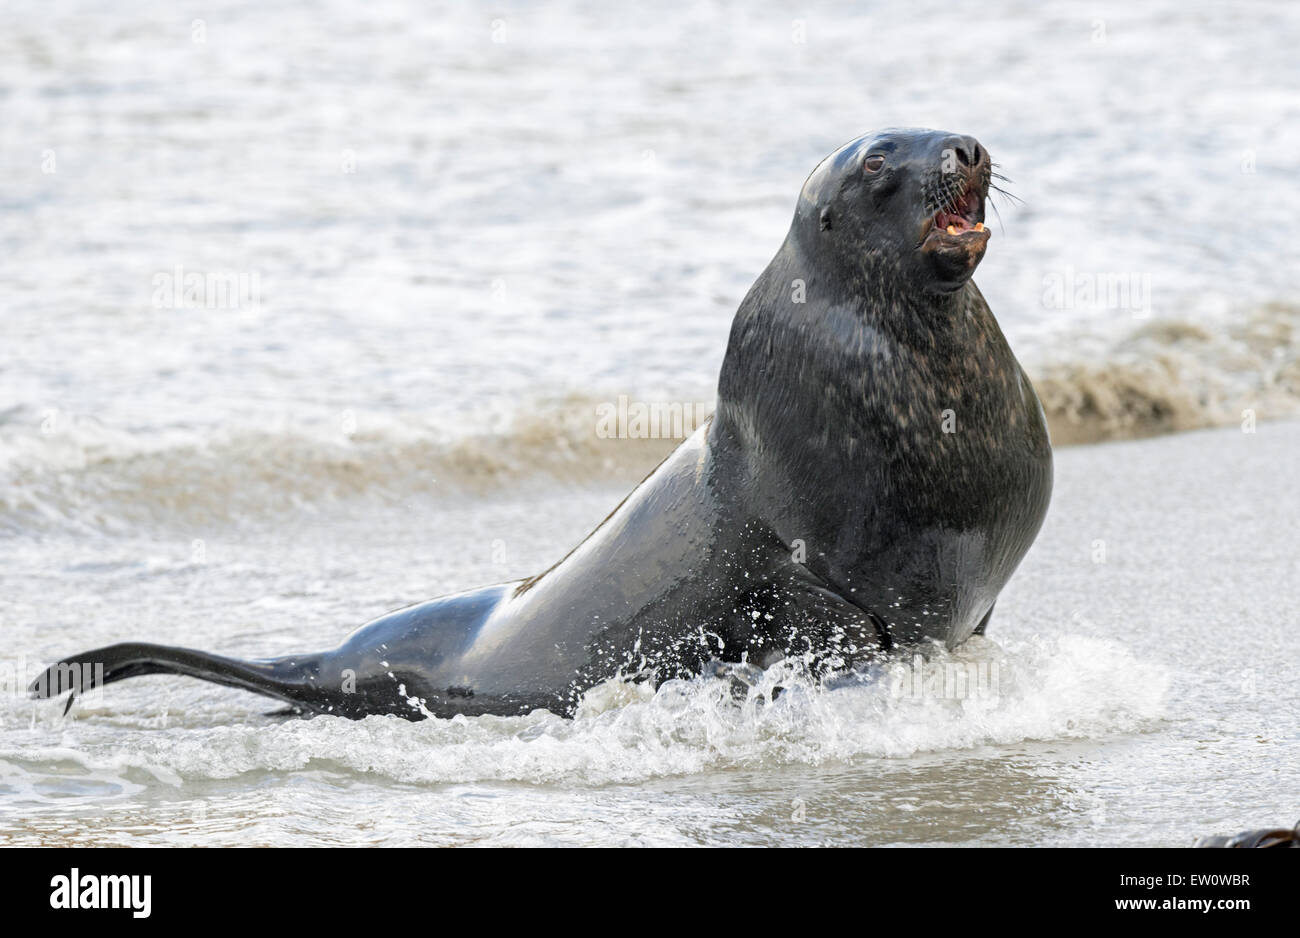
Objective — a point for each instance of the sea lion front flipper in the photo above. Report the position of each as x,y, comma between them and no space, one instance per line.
742,675
804,617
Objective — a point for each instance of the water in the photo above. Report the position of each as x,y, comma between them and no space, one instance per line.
447,249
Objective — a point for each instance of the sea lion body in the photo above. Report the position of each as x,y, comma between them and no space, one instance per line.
876,468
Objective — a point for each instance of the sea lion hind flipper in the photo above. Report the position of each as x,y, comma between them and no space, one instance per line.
101,666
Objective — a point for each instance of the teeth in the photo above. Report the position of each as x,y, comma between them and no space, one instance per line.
979,226
952,229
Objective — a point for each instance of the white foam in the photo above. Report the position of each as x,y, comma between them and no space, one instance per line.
1070,687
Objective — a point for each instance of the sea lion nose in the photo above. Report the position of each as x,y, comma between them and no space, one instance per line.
966,149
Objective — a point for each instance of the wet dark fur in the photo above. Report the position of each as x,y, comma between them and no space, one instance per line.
824,511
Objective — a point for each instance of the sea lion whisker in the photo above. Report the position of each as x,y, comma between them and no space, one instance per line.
1009,196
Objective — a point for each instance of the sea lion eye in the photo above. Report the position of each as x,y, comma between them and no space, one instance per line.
874,163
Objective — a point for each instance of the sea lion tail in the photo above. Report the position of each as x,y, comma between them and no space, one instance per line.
282,678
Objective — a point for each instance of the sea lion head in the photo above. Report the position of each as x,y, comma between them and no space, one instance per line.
905,203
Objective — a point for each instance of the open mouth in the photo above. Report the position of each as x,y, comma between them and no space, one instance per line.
959,220
954,237
963,216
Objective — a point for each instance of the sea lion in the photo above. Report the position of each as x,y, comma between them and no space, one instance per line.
875,469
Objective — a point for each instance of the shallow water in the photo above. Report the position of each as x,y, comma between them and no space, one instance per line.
1145,699
453,248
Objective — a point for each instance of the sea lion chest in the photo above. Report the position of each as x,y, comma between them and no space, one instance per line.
915,468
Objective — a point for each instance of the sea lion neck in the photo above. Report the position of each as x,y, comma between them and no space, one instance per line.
803,291
815,343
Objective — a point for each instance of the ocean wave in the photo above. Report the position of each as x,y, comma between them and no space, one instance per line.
1169,375
82,473
1164,376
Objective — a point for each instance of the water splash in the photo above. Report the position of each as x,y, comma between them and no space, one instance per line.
1071,687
